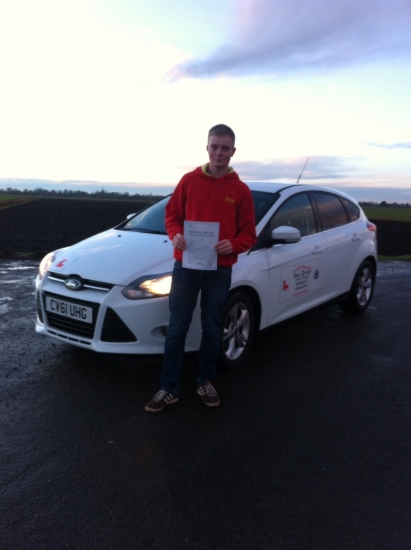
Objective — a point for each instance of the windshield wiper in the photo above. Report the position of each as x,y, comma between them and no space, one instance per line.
143,230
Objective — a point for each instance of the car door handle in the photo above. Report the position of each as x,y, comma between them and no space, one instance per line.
355,238
317,249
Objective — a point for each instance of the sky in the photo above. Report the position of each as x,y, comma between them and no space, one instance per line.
123,92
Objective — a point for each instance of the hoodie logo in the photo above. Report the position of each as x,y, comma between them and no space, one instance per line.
229,199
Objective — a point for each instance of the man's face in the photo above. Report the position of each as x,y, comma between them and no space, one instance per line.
220,150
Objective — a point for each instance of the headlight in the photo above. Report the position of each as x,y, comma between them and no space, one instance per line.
45,264
148,287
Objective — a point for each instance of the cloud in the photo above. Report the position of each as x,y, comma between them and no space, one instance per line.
317,168
284,36
404,145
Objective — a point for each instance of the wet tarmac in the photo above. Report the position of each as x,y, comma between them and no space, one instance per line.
310,448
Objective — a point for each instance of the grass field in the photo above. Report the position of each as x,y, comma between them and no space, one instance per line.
39,226
403,258
13,200
389,213
20,198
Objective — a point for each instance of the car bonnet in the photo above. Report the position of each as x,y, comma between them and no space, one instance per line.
116,257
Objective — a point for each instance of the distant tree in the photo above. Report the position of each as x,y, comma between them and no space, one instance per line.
69,193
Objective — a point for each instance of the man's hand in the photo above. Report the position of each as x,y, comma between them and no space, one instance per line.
224,247
179,241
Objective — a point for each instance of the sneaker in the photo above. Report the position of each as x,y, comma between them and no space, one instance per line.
208,393
160,400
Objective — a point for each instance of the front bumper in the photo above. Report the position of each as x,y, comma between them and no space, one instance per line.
118,325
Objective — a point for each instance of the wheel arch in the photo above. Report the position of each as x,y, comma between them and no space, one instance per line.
373,262
352,302
254,297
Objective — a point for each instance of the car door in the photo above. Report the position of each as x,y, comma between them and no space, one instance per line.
342,231
297,271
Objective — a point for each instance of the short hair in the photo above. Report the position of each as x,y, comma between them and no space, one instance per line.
221,130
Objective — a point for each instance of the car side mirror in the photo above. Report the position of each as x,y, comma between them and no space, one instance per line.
285,235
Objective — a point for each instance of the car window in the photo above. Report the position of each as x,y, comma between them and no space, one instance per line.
149,220
332,212
296,212
352,209
263,201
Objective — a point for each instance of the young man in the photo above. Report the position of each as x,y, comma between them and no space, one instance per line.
211,193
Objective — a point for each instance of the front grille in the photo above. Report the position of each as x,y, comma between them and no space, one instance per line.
38,307
87,283
115,330
66,324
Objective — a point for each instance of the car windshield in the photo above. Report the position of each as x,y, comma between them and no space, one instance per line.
263,201
152,219
149,220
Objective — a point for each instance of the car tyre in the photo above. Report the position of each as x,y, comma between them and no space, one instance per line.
237,330
362,289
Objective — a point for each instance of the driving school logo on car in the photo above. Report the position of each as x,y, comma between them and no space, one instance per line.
296,281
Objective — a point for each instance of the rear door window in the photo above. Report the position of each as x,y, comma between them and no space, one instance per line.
331,210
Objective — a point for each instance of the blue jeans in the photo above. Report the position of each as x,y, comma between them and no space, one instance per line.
185,286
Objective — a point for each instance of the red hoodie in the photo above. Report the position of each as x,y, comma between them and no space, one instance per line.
200,197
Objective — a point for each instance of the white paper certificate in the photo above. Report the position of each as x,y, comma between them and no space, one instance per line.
200,238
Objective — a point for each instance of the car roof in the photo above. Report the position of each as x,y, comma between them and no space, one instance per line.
268,186
275,187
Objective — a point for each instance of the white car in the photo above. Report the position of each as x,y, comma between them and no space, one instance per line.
109,293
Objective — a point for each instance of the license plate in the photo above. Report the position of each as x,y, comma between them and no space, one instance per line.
68,309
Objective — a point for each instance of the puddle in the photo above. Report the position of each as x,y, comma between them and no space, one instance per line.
11,281
4,308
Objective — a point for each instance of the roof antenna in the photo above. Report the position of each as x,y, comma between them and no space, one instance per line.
303,169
